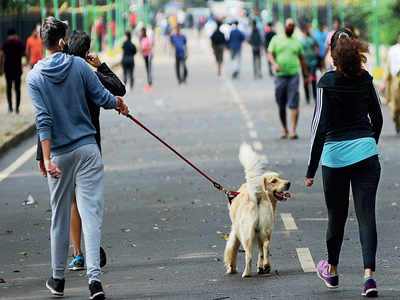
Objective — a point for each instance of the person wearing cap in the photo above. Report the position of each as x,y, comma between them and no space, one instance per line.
11,53
345,131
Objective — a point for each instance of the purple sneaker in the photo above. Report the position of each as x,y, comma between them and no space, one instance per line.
332,282
369,288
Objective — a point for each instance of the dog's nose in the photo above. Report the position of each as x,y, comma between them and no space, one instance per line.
287,185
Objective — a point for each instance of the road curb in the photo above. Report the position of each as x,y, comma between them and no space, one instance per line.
26,132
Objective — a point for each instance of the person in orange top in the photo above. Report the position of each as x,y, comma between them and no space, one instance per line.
34,49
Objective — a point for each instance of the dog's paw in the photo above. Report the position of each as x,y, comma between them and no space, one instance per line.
230,270
267,269
246,274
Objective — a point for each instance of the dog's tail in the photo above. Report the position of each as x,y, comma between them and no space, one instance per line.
253,165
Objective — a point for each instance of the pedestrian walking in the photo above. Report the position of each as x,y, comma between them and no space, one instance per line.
392,82
178,41
79,45
99,31
128,59
236,39
336,26
67,135
34,49
255,41
269,34
11,53
146,48
320,36
345,131
218,44
285,52
311,50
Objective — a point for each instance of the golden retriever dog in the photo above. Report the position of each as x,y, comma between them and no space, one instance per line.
252,213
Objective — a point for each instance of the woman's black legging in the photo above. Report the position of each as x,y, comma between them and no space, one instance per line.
364,178
147,61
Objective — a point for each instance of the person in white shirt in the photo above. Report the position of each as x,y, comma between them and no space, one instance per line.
392,82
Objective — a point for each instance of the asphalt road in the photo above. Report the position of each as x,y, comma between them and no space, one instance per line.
164,224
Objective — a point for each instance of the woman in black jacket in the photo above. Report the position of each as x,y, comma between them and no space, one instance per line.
128,62
345,131
79,45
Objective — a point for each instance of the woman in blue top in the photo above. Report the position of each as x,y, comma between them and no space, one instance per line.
345,131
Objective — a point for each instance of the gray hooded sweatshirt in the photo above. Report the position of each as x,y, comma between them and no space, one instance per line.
58,86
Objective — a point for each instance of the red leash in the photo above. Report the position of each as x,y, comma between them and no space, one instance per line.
230,194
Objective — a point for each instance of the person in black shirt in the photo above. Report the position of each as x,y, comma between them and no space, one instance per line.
218,43
345,131
128,62
11,53
256,43
269,34
79,45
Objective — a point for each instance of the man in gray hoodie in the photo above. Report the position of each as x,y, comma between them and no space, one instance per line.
58,86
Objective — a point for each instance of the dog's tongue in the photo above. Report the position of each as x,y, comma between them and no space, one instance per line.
285,195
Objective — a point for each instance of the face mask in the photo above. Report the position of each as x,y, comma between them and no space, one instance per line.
38,29
289,30
63,45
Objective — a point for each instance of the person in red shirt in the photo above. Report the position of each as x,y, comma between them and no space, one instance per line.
34,49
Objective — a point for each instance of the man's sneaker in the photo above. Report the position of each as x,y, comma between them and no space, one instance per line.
77,263
96,291
56,286
331,281
369,288
103,257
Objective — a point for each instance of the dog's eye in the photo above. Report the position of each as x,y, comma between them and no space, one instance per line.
274,180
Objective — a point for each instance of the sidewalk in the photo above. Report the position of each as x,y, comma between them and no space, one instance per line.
15,128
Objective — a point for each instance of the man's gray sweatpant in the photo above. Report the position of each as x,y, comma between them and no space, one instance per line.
82,174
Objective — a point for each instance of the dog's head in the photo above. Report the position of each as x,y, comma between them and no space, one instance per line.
275,186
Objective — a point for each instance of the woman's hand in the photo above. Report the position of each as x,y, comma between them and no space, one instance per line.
93,60
309,181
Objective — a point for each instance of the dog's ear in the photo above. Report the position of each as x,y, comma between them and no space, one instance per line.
264,181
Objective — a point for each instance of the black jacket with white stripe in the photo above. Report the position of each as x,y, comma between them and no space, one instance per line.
346,109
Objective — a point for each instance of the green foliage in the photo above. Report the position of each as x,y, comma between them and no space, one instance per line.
362,18
389,21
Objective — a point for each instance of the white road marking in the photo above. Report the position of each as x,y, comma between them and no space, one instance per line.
18,163
250,124
253,134
288,221
306,260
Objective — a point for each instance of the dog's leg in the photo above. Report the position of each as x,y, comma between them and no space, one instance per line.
267,262
248,248
260,262
231,250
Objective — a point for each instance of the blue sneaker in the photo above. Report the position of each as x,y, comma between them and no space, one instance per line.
77,263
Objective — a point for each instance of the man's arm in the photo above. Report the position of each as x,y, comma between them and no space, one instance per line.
304,67
50,167
271,57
